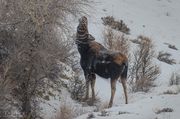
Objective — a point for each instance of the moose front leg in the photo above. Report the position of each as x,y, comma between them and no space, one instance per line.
93,80
87,89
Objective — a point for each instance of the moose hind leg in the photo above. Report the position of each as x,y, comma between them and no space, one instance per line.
113,90
123,81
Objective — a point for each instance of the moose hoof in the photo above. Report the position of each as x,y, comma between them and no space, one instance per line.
110,105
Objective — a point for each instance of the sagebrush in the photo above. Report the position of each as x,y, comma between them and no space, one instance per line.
142,71
115,24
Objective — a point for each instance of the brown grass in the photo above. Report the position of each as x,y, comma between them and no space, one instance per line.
164,110
142,71
118,25
175,79
116,41
166,57
66,112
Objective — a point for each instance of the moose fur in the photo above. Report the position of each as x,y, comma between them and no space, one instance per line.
96,59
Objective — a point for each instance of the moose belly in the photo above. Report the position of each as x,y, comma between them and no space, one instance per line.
108,70
102,70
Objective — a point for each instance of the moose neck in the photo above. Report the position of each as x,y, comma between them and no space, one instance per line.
83,48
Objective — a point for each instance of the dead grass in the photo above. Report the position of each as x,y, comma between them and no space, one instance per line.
118,25
170,92
66,112
101,106
142,70
116,41
104,113
164,110
90,116
175,79
171,46
120,112
92,102
166,57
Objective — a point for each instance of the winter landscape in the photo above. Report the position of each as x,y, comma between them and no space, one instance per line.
42,78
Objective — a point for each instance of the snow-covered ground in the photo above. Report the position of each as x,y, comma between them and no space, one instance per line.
159,20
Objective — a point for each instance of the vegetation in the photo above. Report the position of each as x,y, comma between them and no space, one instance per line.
142,71
165,57
114,24
34,36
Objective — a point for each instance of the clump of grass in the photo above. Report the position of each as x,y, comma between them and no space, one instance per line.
175,79
101,106
93,102
165,57
170,92
104,113
136,41
143,72
171,46
66,112
120,112
116,24
90,116
164,110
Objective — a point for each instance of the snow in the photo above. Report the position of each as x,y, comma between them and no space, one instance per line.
145,108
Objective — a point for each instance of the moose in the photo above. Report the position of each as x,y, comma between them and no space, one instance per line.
96,59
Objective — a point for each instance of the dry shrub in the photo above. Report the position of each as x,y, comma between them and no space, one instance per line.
170,92
93,102
66,112
165,57
36,35
116,41
172,47
142,71
164,110
117,25
101,106
90,116
122,112
68,108
136,41
175,79
77,88
104,113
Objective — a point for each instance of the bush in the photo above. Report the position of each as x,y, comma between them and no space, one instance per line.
165,57
170,92
117,25
172,47
66,112
116,41
90,116
175,79
35,33
77,88
164,110
142,71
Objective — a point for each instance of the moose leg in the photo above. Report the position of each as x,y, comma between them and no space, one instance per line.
113,90
87,89
123,81
93,80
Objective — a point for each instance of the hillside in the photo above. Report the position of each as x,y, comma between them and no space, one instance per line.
159,20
